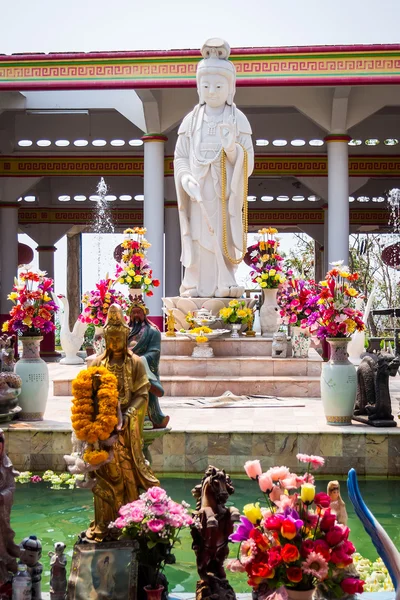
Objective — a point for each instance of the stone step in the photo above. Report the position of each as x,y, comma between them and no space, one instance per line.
222,346
285,387
240,366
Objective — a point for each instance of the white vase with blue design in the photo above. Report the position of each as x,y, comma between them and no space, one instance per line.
338,384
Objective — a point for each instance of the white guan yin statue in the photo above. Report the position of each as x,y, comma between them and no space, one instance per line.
214,158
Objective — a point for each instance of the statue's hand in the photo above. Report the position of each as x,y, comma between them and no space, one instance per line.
191,187
227,132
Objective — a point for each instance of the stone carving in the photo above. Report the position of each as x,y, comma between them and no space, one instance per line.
373,397
7,345
213,524
10,389
9,551
214,157
279,344
58,572
71,341
31,551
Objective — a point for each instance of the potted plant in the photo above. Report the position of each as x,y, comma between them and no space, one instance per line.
31,317
266,262
335,319
236,314
293,540
155,522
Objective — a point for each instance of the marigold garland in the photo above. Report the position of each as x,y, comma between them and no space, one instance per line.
86,427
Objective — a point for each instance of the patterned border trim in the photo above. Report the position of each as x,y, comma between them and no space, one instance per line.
338,420
341,65
26,416
307,165
257,217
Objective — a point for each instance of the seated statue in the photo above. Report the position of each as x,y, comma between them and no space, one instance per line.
145,341
373,396
9,551
122,479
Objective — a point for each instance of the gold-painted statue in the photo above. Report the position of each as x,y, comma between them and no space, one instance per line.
123,478
170,324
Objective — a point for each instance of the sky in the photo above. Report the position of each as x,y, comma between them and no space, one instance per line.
93,25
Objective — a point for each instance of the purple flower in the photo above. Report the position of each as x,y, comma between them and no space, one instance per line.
243,531
292,515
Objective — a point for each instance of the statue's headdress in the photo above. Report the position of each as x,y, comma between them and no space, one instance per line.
215,60
138,302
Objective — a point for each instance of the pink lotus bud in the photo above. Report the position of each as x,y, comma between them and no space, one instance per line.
265,483
253,469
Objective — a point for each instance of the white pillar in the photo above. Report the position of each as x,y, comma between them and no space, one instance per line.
326,238
338,198
8,254
46,259
173,266
153,217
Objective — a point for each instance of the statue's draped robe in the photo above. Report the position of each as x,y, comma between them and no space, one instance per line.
127,475
148,347
198,153
9,551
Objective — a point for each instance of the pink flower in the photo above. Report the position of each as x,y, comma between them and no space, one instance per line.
290,483
335,535
316,461
155,525
159,508
321,499
253,469
120,522
352,586
248,550
286,501
276,493
316,565
156,494
36,479
278,473
265,483
234,565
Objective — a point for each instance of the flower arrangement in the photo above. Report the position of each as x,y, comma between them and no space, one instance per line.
97,302
201,334
134,270
190,320
155,521
90,427
335,315
294,541
58,481
297,299
34,306
236,312
265,260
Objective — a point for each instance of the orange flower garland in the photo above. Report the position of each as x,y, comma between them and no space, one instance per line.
86,427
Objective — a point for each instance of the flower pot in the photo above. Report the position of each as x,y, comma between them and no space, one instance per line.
299,594
134,292
236,327
338,384
269,313
154,594
35,380
301,341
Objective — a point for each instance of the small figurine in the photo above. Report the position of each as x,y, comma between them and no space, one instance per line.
171,324
279,344
58,572
213,524
250,331
337,504
31,552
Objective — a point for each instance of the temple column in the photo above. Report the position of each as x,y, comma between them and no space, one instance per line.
74,276
173,267
8,255
46,263
338,198
326,237
153,217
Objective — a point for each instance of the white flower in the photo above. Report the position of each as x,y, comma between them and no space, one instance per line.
337,263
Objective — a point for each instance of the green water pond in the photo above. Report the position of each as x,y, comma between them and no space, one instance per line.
59,515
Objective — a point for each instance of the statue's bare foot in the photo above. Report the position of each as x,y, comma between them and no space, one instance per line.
236,291
190,293
222,292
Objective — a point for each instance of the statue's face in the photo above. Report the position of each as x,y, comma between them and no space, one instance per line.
137,315
214,89
115,342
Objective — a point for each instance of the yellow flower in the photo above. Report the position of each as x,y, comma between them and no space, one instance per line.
242,313
137,278
46,297
307,493
262,231
146,244
131,272
201,339
344,274
125,244
262,246
272,230
147,280
323,283
258,279
253,512
264,275
263,284
272,272
233,303
201,330
278,277
350,324
351,292
5,326
129,279
265,257
13,296
27,321
226,312
129,231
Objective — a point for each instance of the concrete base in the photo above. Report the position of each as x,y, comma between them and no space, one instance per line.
222,346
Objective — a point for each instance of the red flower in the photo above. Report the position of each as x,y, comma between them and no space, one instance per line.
274,557
149,293
156,283
274,522
262,570
259,538
306,547
339,557
352,586
335,535
327,521
322,548
322,500
290,553
294,574
288,529
348,547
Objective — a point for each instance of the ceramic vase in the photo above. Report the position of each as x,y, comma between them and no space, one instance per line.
154,594
236,327
299,594
99,343
269,313
338,384
35,380
301,341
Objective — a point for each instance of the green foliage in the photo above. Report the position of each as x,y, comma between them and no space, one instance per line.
89,336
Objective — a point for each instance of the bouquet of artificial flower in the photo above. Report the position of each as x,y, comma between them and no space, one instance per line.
97,302
155,521
265,260
134,270
335,315
34,306
236,312
297,299
294,541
